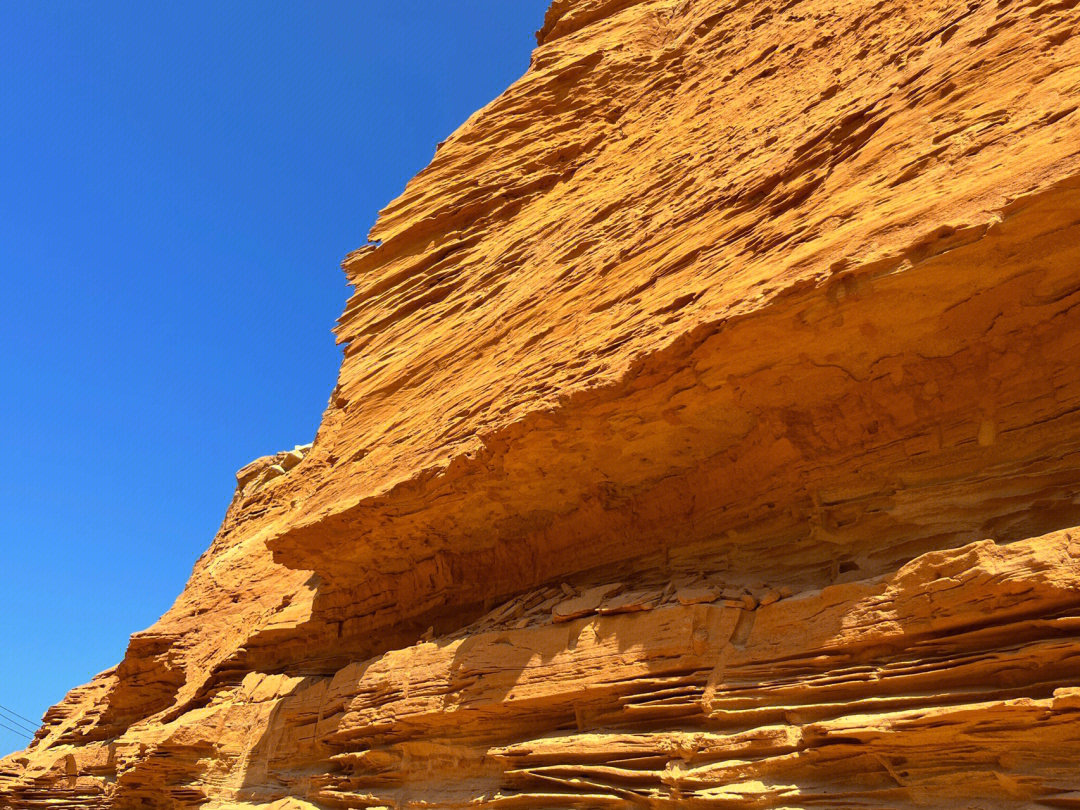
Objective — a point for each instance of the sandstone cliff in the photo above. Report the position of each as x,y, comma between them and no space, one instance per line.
707,434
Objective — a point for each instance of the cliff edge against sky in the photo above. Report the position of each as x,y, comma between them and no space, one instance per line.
707,435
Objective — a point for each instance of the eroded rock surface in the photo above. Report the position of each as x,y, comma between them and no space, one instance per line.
707,434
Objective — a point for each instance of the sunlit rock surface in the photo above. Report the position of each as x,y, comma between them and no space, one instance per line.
707,435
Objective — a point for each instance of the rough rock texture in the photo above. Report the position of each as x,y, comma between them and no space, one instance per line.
708,434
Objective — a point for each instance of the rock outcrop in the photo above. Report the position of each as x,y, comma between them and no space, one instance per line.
707,435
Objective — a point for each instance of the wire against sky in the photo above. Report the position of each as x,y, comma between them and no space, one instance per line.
22,734
21,722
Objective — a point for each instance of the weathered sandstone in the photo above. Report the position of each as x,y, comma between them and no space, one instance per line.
707,434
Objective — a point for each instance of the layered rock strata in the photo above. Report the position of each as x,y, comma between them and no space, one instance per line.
707,434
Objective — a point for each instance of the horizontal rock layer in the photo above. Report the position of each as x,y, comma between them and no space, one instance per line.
707,434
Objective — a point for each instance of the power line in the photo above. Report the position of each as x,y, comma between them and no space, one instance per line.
23,729
12,711
21,734
17,723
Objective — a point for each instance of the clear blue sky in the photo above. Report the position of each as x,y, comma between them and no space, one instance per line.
178,182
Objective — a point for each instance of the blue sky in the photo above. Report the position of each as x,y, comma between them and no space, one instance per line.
178,182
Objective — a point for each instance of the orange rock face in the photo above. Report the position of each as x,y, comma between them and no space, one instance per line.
707,435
